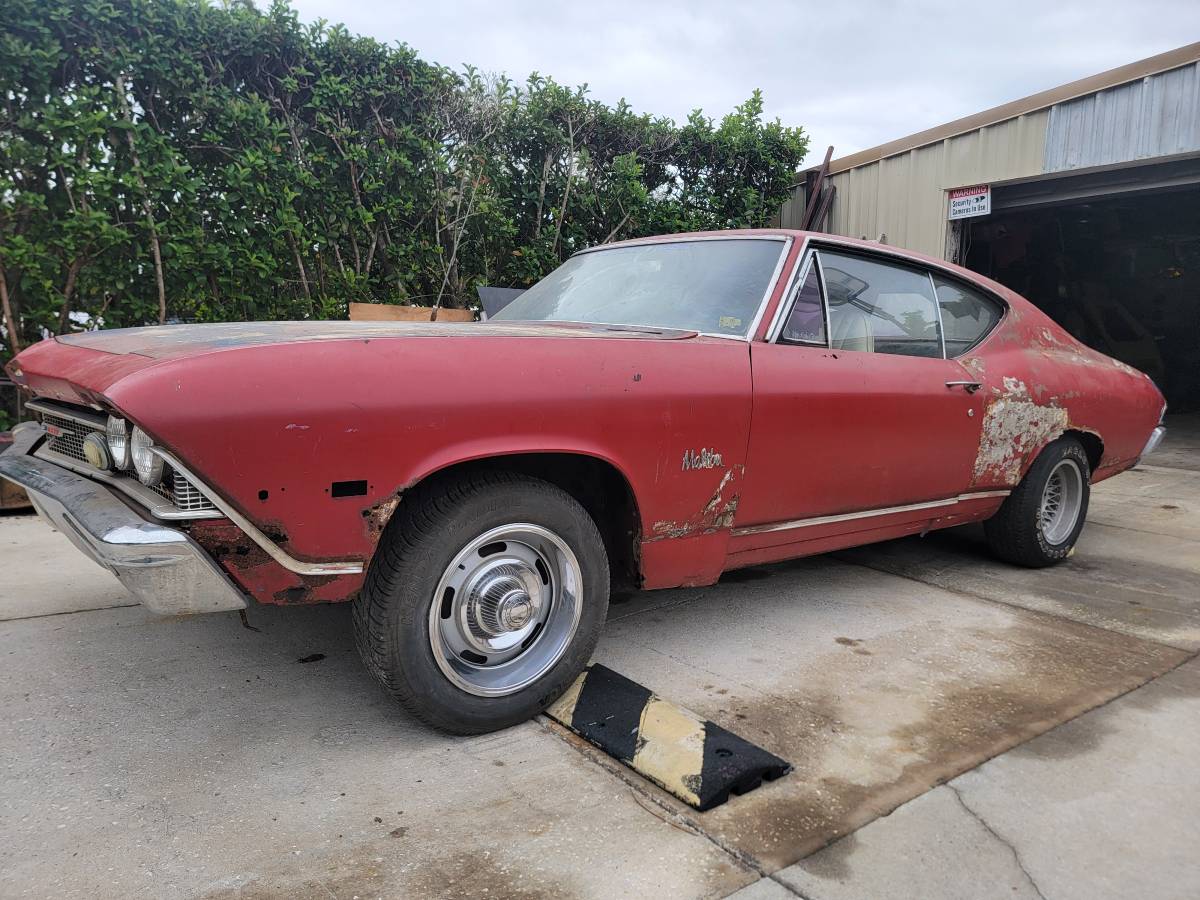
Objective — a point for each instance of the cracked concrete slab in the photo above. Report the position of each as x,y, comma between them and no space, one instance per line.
936,849
1102,806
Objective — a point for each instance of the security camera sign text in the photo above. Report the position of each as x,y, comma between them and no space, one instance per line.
970,201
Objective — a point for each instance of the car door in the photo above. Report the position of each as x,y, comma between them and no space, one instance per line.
857,414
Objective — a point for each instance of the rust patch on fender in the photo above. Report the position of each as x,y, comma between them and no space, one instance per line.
261,576
717,513
1015,427
377,516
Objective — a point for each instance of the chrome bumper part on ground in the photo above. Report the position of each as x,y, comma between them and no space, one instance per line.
163,568
1156,437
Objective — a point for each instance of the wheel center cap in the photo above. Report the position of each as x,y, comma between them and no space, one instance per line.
515,610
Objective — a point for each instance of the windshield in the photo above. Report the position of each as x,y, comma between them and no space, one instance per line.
713,286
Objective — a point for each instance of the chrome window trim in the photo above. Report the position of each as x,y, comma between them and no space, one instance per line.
345,567
824,298
803,259
684,238
788,302
983,292
865,514
762,305
912,264
937,305
784,302
942,266
813,258
785,239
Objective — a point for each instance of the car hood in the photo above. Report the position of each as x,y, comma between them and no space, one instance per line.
175,341
82,368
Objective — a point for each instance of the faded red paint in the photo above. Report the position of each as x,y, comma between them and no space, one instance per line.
282,410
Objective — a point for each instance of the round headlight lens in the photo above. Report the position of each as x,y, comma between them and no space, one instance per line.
117,436
149,467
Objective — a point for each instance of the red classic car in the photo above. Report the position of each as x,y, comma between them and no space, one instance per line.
656,412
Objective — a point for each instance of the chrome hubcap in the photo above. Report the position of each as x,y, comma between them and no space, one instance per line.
505,609
1062,499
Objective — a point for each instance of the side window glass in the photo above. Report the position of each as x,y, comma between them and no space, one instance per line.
967,315
877,307
806,321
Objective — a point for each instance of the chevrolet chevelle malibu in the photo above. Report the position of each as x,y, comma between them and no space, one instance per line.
653,413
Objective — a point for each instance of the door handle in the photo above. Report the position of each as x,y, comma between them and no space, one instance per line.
970,386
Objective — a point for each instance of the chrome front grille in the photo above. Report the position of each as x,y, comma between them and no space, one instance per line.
187,496
67,436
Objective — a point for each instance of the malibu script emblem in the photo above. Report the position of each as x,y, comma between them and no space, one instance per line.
704,459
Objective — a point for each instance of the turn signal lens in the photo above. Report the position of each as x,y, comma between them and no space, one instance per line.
148,465
95,451
118,442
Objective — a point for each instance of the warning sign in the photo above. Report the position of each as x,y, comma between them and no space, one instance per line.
970,201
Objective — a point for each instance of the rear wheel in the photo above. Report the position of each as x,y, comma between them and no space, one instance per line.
1040,521
484,601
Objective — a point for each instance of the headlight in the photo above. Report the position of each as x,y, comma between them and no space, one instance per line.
148,466
118,442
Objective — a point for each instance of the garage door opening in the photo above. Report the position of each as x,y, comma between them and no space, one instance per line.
1120,272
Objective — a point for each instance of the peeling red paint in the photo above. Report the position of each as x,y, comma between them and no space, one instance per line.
1015,428
975,365
717,513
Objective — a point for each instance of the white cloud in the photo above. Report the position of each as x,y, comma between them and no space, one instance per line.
852,74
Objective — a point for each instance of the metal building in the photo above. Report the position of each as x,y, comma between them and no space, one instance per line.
1084,198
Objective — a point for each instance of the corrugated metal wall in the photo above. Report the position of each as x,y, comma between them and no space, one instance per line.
1156,116
903,196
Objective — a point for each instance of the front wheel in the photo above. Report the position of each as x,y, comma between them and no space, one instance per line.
484,601
1041,519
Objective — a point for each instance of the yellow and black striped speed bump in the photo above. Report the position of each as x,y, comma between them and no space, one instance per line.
696,760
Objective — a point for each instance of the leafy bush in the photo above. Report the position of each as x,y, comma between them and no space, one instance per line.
172,159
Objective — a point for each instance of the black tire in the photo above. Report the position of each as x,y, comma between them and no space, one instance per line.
1017,532
394,616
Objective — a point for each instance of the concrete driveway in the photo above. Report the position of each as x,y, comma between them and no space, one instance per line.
958,728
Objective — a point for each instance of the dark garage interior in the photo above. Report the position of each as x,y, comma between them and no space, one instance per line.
1113,257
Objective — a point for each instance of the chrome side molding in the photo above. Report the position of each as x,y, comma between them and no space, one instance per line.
866,513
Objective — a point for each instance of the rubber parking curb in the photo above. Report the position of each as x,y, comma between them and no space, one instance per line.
690,757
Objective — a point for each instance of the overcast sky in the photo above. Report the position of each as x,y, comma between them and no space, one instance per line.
853,74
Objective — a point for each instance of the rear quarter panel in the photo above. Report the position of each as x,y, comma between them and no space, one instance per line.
1041,382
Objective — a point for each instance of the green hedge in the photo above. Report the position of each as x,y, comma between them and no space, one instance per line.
173,159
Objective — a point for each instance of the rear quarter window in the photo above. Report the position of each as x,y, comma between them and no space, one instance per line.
968,315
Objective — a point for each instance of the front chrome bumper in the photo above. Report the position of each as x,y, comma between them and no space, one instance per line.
163,568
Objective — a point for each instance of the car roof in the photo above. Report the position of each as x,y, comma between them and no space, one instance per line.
994,287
